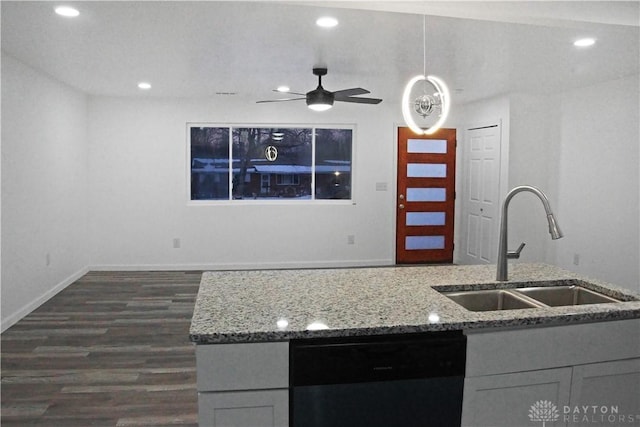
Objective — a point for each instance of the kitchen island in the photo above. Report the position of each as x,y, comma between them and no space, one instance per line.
243,321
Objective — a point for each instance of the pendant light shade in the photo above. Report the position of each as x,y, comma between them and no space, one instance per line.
426,104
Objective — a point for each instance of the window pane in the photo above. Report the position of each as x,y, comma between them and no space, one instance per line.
433,146
426,170
271,163
424,242
333,163
426,194
209,163
425,218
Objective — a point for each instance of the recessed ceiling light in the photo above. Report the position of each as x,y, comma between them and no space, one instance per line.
283,89
144,85
326,22
584,42
67,11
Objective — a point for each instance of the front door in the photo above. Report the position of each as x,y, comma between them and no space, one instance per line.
425,197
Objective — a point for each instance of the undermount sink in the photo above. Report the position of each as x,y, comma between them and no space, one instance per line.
565,295
491,300
530,297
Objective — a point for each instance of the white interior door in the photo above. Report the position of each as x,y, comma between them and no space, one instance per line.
481,195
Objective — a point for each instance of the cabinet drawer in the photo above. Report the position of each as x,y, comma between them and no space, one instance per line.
267,408
250,366
497,352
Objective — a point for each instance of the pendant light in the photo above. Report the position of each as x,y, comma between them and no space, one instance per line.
435,97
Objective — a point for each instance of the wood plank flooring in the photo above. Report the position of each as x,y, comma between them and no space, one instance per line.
112,349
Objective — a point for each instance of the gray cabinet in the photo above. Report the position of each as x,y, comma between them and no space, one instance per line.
505,400
263,408
612,386
512,373
243,385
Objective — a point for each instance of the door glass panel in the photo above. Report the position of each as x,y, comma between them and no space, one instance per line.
413,243
425,218
426,194
426,170
435,146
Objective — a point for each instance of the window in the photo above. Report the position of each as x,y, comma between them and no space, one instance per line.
287,179
209,163
270,163
333,163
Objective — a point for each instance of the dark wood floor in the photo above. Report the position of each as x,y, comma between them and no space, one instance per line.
112,349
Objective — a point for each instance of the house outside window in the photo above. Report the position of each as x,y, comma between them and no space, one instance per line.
270,163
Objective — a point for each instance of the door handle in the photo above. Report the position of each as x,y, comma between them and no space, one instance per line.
401,197
401,206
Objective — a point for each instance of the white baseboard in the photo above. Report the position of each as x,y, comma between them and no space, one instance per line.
243,266
14,317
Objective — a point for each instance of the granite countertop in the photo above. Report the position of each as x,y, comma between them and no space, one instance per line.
278,305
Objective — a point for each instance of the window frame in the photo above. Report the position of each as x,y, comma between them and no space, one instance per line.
280,201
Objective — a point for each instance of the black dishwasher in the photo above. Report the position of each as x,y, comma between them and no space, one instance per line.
402,380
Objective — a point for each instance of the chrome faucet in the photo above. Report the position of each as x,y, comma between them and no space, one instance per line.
503,252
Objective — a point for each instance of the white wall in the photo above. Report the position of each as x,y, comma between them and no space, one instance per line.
599,181
44,174
581,148
139,192
533,160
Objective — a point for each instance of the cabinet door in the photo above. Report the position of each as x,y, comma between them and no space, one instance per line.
506,400
266,408
246,366
608,386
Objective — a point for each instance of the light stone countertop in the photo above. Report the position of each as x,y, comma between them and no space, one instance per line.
278,305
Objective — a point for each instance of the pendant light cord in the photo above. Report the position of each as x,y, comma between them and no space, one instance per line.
424,44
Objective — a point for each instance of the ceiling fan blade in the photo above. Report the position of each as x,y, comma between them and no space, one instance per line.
339,94
279,100
361,100
289,93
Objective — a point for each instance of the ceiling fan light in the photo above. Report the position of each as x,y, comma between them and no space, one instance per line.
320,99
320,107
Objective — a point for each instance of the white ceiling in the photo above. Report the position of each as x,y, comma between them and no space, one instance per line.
199,49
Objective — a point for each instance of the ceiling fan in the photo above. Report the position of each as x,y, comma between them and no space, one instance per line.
321,99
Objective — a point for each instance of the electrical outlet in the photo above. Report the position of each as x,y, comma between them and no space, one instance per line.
351,239
381,186
576,259
176,243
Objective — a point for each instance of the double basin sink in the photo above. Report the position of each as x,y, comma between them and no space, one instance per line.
528,297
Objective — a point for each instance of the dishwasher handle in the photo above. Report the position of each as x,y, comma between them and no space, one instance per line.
410,356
